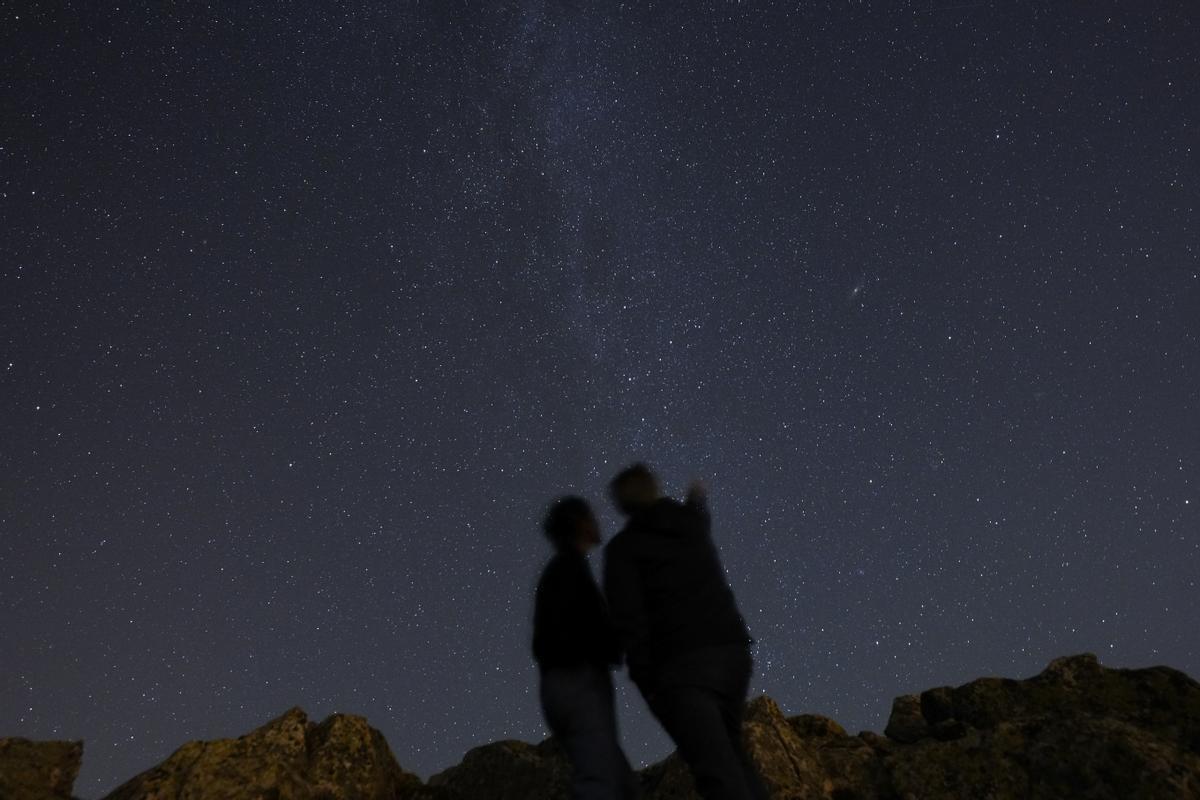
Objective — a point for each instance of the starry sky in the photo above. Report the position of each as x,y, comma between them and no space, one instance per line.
308,310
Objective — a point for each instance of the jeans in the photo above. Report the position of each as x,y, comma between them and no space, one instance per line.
579,708
699,697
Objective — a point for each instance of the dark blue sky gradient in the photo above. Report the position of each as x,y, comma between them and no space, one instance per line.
307,312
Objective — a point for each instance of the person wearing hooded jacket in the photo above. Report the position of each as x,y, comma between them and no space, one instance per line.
686,644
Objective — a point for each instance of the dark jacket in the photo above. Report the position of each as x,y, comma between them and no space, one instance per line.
666,587
571,624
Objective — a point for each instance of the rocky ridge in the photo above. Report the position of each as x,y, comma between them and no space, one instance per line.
1077,730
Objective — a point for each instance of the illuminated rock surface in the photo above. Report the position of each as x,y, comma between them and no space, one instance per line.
1076,730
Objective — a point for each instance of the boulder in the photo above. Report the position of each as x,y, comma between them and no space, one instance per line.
803,757
507,770
38,770
289,758
1077,730
906,723
787,762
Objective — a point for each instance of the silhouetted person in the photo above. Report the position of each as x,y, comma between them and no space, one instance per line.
576,646
687,646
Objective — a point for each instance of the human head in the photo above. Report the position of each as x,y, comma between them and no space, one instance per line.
571,523
634,488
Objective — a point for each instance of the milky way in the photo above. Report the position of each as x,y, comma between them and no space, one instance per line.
305,315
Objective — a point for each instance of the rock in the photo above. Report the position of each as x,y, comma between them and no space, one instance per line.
906,723
948,730
1072,671
1077,730
937,705
507,770
811,726
669,779
803,757
349,759
787,762
38,770
289,758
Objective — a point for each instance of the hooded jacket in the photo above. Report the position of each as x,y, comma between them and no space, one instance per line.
666,587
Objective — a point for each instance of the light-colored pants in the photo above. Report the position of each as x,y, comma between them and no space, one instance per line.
578,704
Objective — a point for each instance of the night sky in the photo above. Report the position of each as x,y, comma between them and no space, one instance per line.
307,312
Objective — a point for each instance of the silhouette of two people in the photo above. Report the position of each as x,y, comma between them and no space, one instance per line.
671,616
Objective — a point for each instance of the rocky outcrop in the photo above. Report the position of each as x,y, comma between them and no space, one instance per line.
38,770
289,758
508,770
1077,730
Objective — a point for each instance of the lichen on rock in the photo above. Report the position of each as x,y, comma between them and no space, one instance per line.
1078,729
289,758
38,770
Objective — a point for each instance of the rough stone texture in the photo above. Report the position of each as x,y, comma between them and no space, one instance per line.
669,779
1077,730
507,770
38,770
350,759
906,723
788,763
289,758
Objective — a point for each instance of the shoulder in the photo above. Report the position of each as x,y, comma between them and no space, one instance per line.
671,507
689,517
554,569
619,544
566,567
